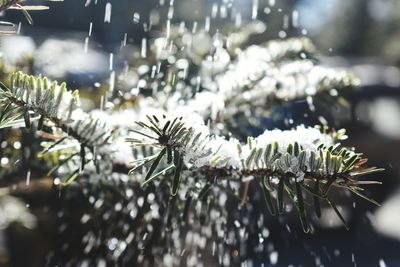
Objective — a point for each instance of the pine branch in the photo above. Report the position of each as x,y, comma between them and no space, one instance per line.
299,161
260,78
55,103
29,95
257,78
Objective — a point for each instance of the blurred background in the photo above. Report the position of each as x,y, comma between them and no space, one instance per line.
75,39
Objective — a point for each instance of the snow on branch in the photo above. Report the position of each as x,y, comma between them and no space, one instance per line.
302,159
288,81
262,75
254,76
192,139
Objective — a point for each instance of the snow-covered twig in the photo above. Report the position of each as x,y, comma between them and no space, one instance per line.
298,160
